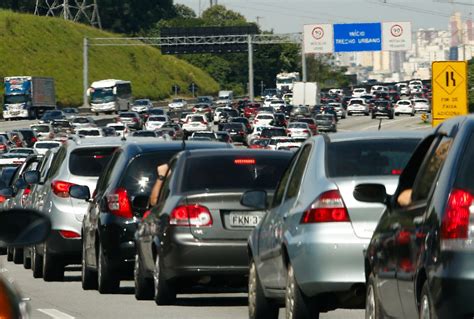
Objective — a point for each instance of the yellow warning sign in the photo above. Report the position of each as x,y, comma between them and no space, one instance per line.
449,84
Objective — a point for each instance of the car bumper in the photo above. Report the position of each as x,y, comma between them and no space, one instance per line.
17,113
357,111
328,258
187,256
68,248
103,107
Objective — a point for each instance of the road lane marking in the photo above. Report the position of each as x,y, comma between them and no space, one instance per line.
384,124
55,314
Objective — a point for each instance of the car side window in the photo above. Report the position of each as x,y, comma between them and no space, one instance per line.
298,172
57,161
280,190
429,171
105,177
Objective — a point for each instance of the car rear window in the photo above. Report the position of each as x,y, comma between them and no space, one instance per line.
27,134
233,172
369,157
127,115
141,175
157,118
47,145
89,161
144,133
41,128
273,132
264,117
465,174
80,120
89,132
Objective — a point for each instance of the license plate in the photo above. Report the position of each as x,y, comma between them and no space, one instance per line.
244,220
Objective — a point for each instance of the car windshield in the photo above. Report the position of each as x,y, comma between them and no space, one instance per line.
371,157
177,100
420,101
261,142
157,111
70,111
16,99
233,126
381,103
196,119
324,117
141,102
205,134
309,121
264,117
231,172
102,95
404,103
297,125
22,151
351,102
52,115
89,161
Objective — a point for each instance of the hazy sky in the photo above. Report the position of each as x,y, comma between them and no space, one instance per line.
290,15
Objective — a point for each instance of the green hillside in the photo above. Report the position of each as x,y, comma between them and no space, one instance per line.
40,46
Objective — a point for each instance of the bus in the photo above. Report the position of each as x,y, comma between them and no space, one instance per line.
109,96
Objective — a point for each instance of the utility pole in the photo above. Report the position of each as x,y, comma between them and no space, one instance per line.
250,48
261,88
85,78
303,63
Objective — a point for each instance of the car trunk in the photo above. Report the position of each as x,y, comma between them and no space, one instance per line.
80,206
230,220
364,216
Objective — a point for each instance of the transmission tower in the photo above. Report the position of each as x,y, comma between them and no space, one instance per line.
86,11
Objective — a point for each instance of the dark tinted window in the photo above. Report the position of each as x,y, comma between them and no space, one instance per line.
128,115
233,126
144,133
157,111
89,161
225,172
89,132
80,120
41,128
273,132
57,161
141,175
369,157
47,145
28,134
465,175
298,172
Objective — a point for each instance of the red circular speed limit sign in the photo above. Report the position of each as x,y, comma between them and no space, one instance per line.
318,33
396,30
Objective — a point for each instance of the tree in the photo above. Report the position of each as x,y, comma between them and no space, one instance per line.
321,69
184,12
18,5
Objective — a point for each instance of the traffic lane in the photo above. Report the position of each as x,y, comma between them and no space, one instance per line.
68,300
366,123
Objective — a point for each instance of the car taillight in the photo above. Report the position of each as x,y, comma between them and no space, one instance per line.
135,120
61,188
2,147
455,224
34,140
203,122
191,215
2,199
119,203
329,207
305,131
194,109
68,234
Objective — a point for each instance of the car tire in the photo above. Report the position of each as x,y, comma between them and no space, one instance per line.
259,306
26,258
9,254
296,304
143,285
53,267
426,303
88,276
3,251
366,114
106,281
372,303
165,294
36,263
18,255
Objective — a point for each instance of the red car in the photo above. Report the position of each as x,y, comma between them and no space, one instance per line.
251,109
259,143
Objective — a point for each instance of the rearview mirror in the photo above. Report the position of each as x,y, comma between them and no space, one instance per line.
254,199
23,227
370,193
32,177
80,192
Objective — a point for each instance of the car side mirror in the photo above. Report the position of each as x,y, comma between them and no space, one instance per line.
140,203
254,199
32,177
370,193
6,192
80,192
23,227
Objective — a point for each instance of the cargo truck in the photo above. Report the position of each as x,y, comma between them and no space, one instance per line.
306,93
27,97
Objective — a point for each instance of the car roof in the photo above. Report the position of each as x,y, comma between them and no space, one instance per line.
371,135
145,145
236,152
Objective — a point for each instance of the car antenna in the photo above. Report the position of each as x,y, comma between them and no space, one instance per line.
380,124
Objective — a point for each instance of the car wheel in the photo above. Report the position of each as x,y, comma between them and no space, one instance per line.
426,304
88,276
36,263
143,285
366,114
53,267
372,304
18,255
297,305
343,117
164,292
26,258
9,254
259,306
3,251
107,282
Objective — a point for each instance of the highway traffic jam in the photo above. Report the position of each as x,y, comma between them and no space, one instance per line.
264,197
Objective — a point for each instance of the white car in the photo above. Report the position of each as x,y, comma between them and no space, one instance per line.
299,130
43,131
336,92
421,105
358,92
357,106
196,122
90,132
119,128
263,119
42,147
416,89
156,122
178,104
340,110
276,140
277,104
82,121
404,107
142,105
256,131
217,113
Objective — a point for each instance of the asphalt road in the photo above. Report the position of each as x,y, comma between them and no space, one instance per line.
66,300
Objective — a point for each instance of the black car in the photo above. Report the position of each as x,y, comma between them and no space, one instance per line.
326,123
28,136
382,108
223,136
237,131
62,126
280,120
243,120
52,115
111,220
197,233
273,132
420,258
